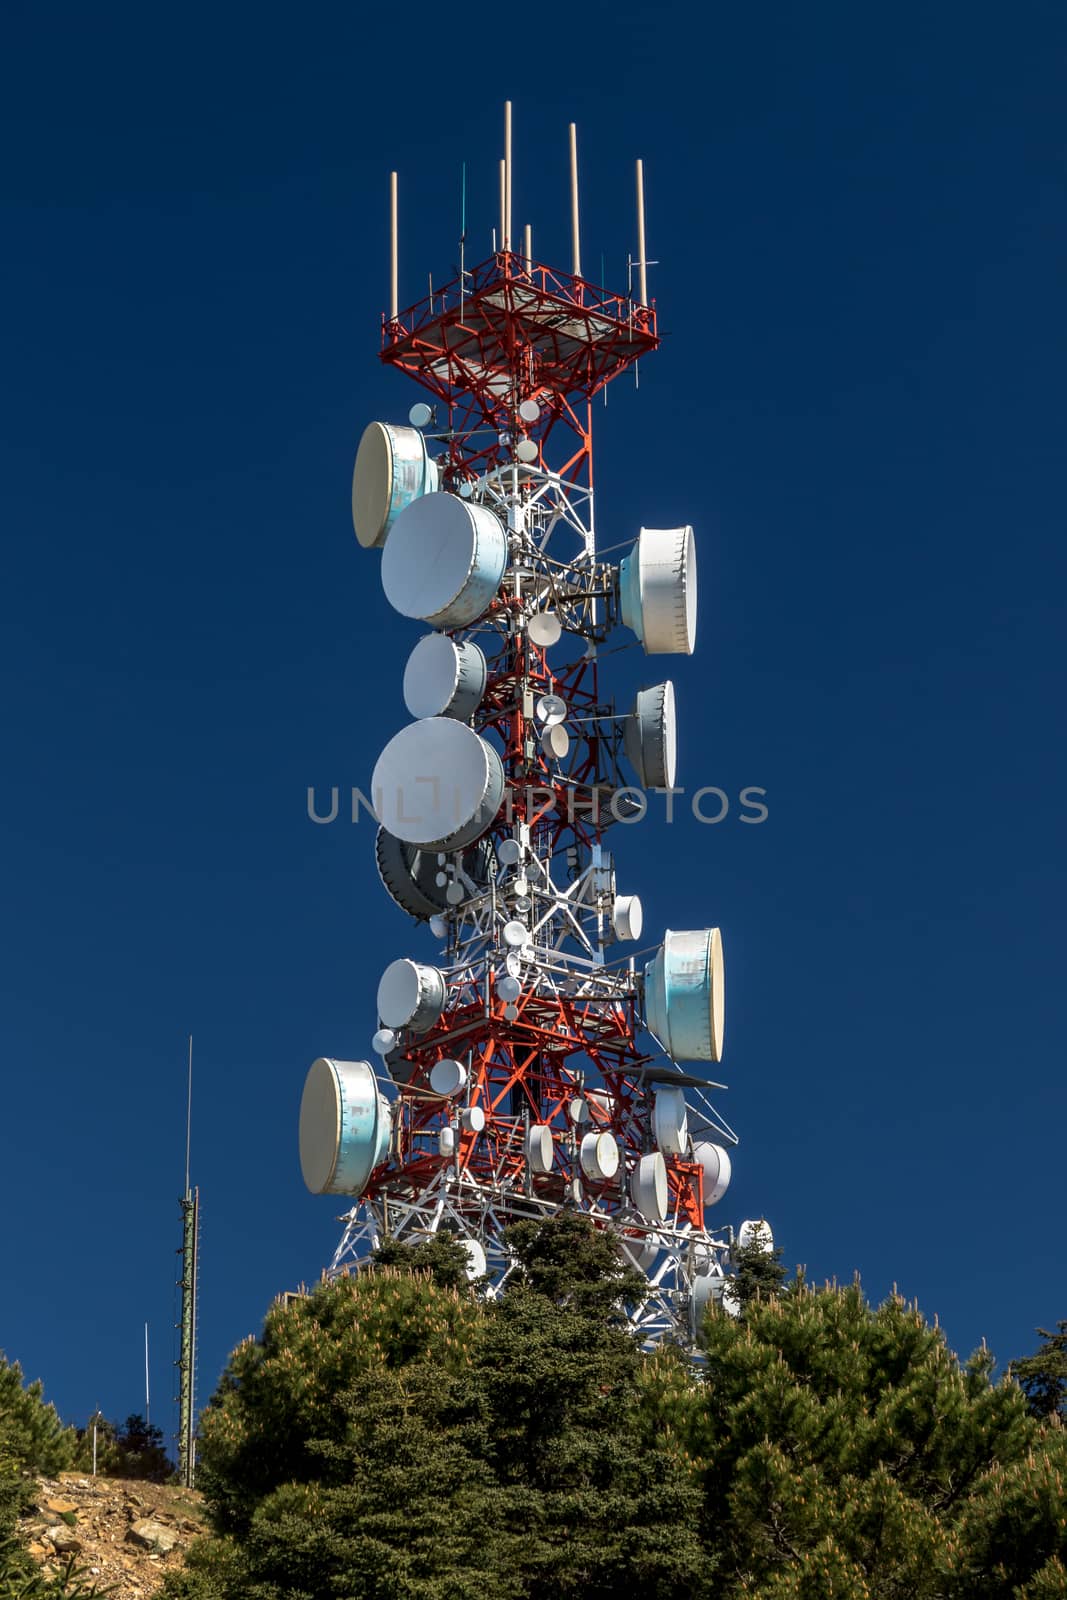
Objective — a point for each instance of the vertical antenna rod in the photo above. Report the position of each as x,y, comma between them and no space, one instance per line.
187,1360
576,248
507,174
503,201
394,291
642,280
527,246
188,1115
146,1413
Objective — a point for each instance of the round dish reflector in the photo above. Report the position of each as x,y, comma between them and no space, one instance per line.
411,995
555,741
540,1148
670,1120
508,988
473,1119
648,1186
476,1263
756,1233
685,995
444,560
392,471
508,852
446,1142
599,1156
627,917
658,590
384,1041
448,1077
344,1126
438,784
650,737
443,678
545,629
529,410
526,451
550,710
420,415
515,934
717,1170
707,1290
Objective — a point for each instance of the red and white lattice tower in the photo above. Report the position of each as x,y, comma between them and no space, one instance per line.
527,1062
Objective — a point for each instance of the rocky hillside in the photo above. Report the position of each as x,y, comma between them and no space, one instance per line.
121,1532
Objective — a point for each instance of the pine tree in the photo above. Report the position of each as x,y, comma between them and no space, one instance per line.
1043,1376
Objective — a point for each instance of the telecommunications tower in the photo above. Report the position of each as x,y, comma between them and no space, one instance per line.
527,1063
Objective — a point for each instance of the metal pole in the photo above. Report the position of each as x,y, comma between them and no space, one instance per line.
394,275
188,1115
507,174
576,248
503,202
187,1359
528,246
146,1411
642,281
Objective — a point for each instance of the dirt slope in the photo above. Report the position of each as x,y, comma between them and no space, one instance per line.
121,1531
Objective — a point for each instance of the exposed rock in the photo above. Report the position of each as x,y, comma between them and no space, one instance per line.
110,1514
152,1535
63,1539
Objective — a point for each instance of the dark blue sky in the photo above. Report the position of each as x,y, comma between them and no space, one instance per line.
861,230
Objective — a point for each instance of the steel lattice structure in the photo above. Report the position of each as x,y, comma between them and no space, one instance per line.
543,1017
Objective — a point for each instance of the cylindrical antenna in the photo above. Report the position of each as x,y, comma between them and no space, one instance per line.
507,174
503,201
188,1115
575,240
146,1415
642,279
394,275
527,246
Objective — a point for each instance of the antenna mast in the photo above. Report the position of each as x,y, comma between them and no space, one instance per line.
190,1209
527,1061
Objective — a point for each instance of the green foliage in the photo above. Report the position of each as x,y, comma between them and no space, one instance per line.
843,1450
130,1449
31,1434
1043,1376
759,1274
280,1394
441,1257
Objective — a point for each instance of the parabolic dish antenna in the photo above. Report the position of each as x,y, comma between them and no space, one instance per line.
444,678
756,1233
545,629
444,560
555,741
529,410
527,452
685,995
627,917
539,1148
648,1187
658,590
650,737
599,1156
392,470
448,1078
550,710
438,783
344,1126
420,415
411,995
717,1170
670,1120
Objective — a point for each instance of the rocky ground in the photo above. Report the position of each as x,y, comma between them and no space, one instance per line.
121,1532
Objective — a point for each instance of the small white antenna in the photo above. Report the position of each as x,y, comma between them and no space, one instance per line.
576,248
507,174
642,280
527,247
503,203
146,1397
394,275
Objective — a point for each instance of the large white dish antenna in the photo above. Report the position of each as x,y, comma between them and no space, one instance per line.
410,876
717,1170
476,1262
670,1120
711,1289
448,1077
444,561
650,737
599,1157
685,1000
411,995
344,1126
444,678
540,1149
545,629
392,471
648,1186
627,917
438,783
757,1233
658,590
